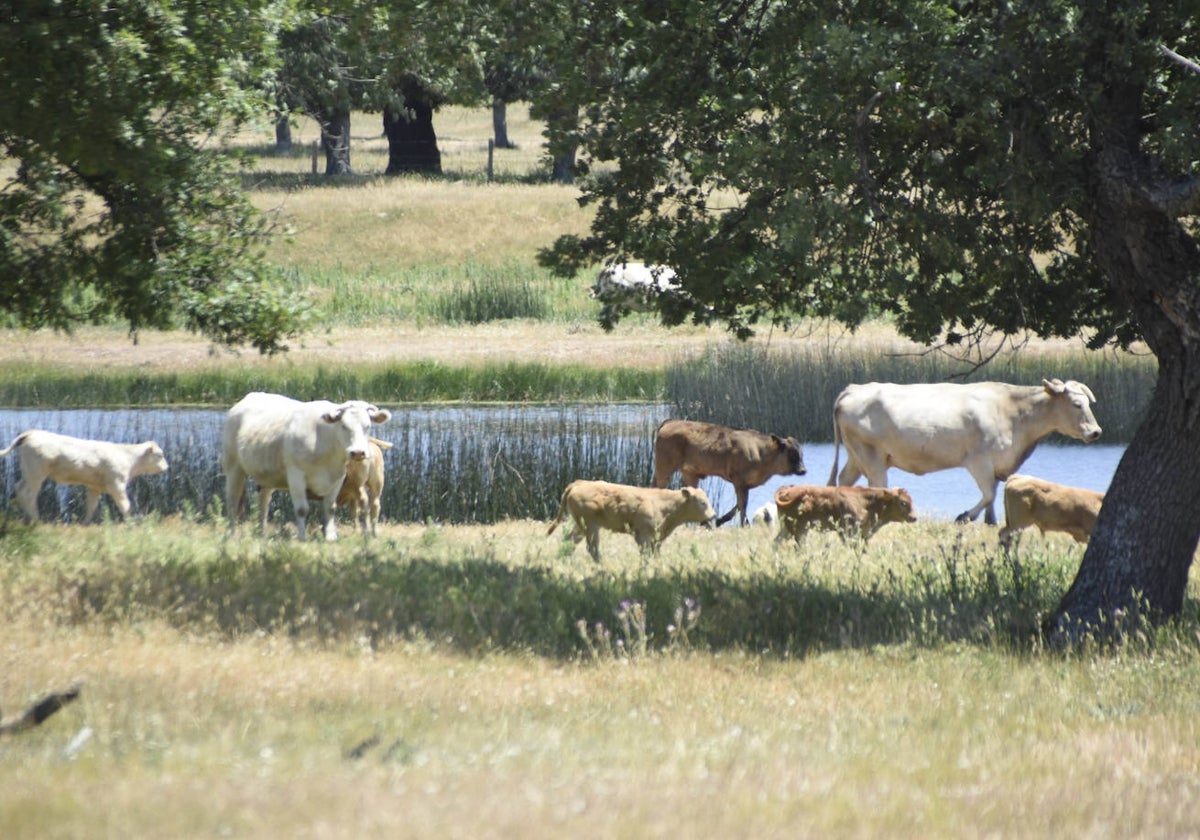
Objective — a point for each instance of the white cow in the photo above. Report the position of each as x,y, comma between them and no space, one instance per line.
301,447
633,285
99,465
988,427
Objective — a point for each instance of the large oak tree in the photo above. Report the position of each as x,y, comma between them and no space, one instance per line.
115,199
963,167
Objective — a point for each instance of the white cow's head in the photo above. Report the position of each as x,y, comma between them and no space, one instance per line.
1073,401
355,418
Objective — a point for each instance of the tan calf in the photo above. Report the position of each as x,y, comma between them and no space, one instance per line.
363,487
99,465
1051,507
860,511
650,514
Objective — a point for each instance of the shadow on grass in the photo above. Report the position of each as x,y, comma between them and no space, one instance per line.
269,181
386,593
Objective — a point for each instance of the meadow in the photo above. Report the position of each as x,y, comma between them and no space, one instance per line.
490,681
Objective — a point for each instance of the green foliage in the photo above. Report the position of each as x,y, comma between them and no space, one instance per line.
866,159
119,207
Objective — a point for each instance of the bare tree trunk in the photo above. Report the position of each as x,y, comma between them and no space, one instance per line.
283,134
500,124
335,140
412,142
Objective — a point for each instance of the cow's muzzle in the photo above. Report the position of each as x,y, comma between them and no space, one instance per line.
357,454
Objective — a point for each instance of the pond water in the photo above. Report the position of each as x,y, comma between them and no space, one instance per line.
484,463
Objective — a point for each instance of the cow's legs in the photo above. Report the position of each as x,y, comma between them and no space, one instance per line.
264,508
298,488
120,497
27,491
692,479
328,509
593,542
373,505
852,472
743,496
985,477
235,489
663,472
647,540
362,507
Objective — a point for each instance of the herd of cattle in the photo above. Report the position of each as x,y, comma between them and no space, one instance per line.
323,452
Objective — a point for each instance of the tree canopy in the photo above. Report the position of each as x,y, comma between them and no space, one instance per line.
115,199
965,168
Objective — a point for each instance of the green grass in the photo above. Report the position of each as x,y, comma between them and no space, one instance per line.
387,382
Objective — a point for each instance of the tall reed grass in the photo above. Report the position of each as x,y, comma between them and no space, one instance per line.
792,392
480,301
462,465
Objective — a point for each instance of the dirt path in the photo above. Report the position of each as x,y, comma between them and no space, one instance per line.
637,345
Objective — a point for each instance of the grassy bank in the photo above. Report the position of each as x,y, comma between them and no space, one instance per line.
385,382
491,682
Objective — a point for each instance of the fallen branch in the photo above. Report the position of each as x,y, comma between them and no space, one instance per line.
40,710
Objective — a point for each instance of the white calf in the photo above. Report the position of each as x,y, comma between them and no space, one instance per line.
100,466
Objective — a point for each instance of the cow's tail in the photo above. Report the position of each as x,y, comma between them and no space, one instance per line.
562,507
17,441
837,442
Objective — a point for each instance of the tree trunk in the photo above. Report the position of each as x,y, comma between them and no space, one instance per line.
1137,561
1140,552
562,128
563,171
283,135
335,140
412,142
500,124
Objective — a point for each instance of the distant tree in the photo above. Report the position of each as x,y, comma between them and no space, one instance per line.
412,142
512,39
1017,167
118,202
326,74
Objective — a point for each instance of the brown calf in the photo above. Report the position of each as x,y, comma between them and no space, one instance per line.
858,510
743,457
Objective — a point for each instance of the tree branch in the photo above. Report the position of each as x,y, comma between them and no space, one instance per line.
863,145
1177,198
1178,59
